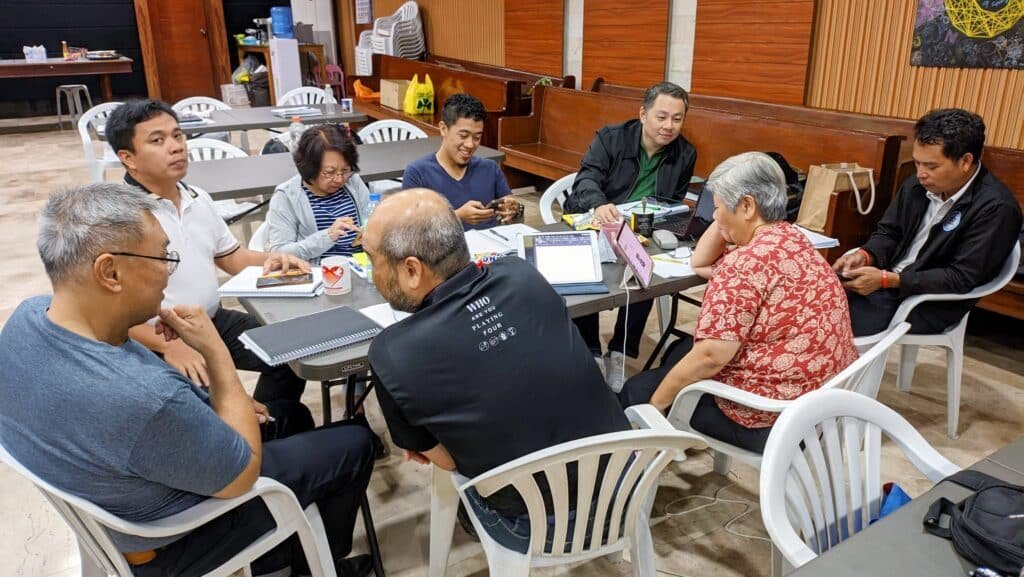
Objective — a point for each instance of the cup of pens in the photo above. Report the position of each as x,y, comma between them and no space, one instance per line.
337,275
641,220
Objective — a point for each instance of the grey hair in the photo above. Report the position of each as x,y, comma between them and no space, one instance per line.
435,239
80,223
752,174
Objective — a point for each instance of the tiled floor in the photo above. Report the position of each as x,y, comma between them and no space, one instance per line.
36,543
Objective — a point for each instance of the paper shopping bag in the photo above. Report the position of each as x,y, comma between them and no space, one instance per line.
842,178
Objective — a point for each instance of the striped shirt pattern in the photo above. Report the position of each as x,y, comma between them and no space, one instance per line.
327,209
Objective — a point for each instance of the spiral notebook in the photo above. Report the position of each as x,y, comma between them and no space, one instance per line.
301,337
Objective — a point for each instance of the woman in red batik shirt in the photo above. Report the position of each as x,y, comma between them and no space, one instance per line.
774,319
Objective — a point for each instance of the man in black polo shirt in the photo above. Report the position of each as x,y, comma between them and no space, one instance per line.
489,368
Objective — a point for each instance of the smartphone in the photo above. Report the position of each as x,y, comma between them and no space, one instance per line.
294,276
494,204
843,277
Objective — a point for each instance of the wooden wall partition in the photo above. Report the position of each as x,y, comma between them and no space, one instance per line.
753,50
861,63
625,43
533,36
459,28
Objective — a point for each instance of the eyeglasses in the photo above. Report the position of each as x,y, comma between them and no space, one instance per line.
170,257
336,174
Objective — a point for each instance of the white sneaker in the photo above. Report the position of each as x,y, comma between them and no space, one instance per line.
600,366
614,365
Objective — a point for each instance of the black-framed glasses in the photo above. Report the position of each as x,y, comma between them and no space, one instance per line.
170,257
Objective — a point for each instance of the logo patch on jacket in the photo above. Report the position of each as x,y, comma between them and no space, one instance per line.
952,221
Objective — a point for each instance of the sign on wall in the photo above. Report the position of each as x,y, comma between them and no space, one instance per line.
969,34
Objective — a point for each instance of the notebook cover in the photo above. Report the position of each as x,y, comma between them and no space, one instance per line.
305,336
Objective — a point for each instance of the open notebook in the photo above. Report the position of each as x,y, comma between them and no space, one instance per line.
305,336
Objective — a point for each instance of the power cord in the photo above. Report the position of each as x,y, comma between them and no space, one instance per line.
748,507
625,335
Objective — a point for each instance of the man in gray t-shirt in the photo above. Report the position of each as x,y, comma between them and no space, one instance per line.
100,416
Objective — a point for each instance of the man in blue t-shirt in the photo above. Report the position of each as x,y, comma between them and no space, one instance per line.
97,414
475,187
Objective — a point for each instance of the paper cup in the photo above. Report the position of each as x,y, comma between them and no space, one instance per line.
337,275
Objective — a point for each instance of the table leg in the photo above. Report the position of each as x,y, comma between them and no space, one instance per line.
108,93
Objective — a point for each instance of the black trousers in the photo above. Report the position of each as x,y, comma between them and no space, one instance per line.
871,314
631,332
330,466
274,382
707,417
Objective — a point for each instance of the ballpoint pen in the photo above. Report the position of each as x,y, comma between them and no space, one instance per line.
498,234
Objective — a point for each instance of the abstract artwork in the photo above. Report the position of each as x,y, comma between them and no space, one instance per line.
969,34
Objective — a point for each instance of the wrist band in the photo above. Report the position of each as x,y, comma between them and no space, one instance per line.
885,279
867,256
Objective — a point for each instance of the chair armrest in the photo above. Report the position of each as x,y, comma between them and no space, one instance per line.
647,417
686,401
200,514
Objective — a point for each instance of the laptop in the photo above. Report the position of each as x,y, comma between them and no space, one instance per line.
570,261
690,225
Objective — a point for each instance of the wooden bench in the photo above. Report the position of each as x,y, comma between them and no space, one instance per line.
1008,165
552,140
500,96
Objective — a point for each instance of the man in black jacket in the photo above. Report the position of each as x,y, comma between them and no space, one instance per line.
949,230
627,162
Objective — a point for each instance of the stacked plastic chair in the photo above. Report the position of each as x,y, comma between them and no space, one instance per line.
364,54
400,34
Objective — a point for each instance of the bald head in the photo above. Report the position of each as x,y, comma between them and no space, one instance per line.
418,223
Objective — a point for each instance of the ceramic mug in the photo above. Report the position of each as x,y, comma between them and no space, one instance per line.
337,275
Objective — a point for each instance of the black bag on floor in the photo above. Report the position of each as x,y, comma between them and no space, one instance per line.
987,528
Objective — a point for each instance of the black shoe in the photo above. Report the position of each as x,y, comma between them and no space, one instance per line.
356,566
467,525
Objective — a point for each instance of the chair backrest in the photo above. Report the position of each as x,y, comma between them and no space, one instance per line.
634,461
200,149
199,105
820,477
94,119
82,516
303,95
336,78
558,191
259,239
389,131
864,375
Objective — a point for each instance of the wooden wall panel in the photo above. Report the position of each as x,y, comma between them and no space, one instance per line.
533,36
753,50
625,44
459,29
861,63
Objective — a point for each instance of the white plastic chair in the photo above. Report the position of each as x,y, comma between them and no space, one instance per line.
200,149
95,119
390,131
303,95
364,54
92,525
260,238
635,459
863,376
203,106
952,339
557,192
815,497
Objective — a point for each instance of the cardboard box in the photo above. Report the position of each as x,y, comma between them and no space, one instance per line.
392,92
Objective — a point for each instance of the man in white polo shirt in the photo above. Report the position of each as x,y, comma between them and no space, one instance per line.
146,136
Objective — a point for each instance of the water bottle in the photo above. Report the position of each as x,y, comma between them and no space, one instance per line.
295,130
329,102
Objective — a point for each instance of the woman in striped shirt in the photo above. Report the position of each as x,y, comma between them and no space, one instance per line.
318,212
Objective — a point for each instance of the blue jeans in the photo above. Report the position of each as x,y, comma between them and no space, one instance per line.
514,532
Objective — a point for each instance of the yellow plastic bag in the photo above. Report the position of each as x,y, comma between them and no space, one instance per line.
419,97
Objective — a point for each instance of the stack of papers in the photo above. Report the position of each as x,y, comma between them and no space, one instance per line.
668,266
300,111
243,285
499,239
819,240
